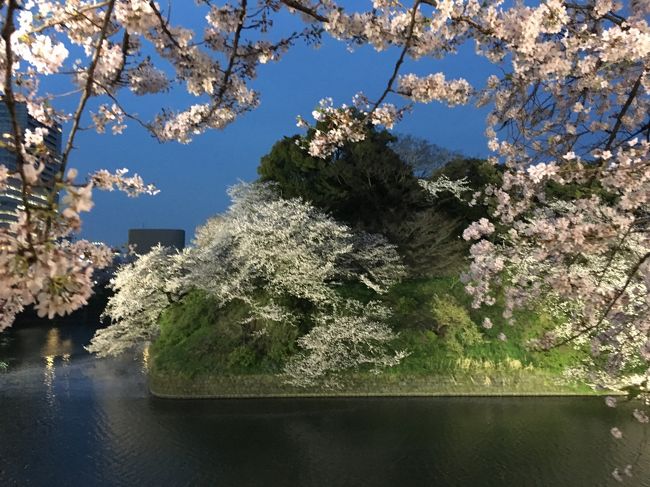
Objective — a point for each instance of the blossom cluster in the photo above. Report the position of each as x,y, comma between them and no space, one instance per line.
54,277
336,126
361,330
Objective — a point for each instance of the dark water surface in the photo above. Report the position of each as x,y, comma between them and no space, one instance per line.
67,419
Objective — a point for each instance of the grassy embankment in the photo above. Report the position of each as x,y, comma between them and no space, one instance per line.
202,352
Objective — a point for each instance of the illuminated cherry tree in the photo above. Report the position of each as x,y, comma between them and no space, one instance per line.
266,249
142,291
286,247
266,252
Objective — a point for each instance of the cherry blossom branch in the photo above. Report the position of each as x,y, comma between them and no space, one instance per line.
227,73
83,99
128,115
120,71
621,114
616,19
639,131
231,62
631,275
78,12
486,32
88,87
306,10
400,60
164,25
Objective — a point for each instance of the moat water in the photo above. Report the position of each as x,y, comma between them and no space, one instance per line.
68,419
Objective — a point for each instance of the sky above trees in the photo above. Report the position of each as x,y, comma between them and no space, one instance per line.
193,178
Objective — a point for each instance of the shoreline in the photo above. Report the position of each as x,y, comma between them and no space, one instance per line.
267,386
375,395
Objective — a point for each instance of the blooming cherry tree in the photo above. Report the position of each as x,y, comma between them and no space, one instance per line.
266,251
352,336
143,289
289,248
286,247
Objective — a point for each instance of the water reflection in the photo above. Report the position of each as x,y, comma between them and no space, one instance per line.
79,421
145,359
54,347
48,378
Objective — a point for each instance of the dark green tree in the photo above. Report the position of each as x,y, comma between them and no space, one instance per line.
368,186
364,184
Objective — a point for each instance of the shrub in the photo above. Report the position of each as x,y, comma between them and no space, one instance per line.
454,324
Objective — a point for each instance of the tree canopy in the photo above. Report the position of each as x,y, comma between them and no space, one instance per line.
369,186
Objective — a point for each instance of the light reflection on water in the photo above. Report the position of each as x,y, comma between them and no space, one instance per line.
145,359
74,420
54,347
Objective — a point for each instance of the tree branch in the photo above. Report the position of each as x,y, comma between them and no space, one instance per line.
621,114
400,60
7,31
306,10
85,95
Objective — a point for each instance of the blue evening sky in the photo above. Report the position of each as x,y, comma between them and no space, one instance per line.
193,178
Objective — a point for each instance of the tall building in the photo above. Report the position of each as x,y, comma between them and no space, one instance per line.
144,239
11,196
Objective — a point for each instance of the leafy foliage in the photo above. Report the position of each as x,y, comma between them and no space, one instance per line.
454,324
197,337
364,184
368,186
420,332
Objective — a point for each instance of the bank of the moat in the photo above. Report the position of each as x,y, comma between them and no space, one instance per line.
387,384
203,351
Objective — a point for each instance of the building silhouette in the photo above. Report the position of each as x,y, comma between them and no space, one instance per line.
11,199
144,239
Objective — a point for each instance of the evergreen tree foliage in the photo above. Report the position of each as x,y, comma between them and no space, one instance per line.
368,186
